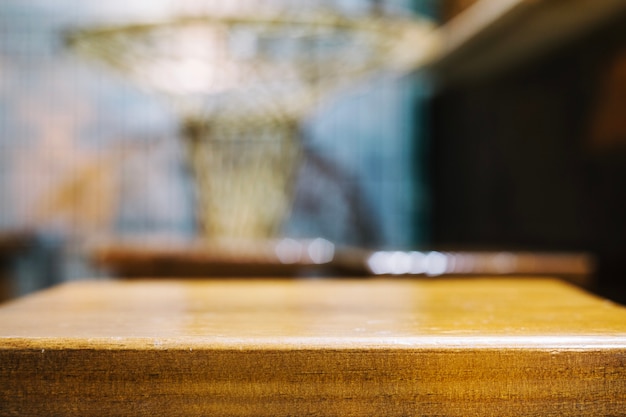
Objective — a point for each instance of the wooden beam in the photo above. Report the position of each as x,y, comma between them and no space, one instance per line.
493,36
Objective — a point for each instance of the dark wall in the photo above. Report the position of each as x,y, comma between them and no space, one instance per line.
535,157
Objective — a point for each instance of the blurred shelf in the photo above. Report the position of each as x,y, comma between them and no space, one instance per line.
154,258
161,258
576,267
496,35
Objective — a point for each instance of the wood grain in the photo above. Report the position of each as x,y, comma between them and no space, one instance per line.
319,347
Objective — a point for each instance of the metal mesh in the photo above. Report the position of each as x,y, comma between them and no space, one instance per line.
241,84
244,174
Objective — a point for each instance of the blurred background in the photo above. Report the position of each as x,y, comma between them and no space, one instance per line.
490,126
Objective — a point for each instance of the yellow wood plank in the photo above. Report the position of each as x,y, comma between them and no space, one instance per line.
319,347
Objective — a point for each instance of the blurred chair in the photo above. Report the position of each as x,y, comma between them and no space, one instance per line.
12,245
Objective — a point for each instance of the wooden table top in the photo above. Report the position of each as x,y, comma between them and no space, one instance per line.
319,347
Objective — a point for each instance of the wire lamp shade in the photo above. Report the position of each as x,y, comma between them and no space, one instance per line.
241,85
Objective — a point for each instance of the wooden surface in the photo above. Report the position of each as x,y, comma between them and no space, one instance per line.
510,347
491,36
139,258
452,8
129,259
